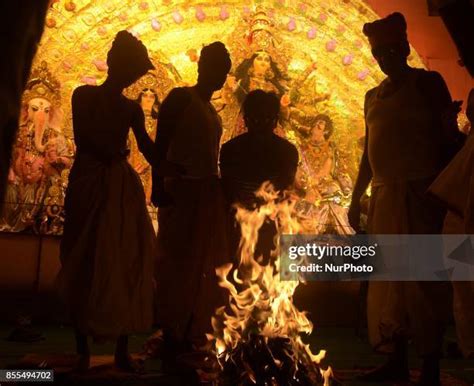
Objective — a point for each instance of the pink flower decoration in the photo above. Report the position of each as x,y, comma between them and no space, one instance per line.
177,17
348,59
246,11
224,13
200,15
102,31
84,46
341,29
67,66
143,6
363,74
311,33
323,17
101,65
90,80
331,45
358,43
123,16
291,24
155,24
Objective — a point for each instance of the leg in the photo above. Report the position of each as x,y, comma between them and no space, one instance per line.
123,360
82,348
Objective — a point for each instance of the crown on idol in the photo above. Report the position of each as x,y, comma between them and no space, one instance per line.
42,84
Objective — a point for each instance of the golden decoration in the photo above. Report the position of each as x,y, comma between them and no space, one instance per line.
42,84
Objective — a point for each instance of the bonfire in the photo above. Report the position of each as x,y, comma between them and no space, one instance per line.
257,337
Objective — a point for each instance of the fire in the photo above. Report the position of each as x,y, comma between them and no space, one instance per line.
257,337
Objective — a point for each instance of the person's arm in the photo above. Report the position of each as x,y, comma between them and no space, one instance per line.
434,88
144,142
362,182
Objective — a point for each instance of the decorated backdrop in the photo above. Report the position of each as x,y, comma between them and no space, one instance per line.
313,55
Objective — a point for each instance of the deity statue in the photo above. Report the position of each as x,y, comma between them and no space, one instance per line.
41,156
322,184
322,178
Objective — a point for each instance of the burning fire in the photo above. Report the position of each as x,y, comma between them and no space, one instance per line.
257,338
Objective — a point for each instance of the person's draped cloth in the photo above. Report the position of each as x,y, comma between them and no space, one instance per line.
192,236
108,246
404,148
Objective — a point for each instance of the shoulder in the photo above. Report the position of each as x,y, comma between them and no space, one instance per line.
83,91
286,146
235,142
369,94
429,78
178,94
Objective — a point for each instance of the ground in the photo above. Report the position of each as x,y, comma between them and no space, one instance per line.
347,354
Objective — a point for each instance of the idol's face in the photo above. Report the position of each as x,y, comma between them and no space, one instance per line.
261,63
38,108
317,133
148,99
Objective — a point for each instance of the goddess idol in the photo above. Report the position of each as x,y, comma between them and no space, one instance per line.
264,63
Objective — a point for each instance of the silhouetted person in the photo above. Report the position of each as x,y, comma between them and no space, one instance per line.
408,142
107,249
455,187
191,236
254,157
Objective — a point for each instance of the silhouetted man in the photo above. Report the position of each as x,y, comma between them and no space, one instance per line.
191,236
257,156
407,143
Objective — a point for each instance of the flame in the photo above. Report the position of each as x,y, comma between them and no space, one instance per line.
259,301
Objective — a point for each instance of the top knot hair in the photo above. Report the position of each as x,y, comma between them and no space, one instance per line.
389,30
215,54
128,51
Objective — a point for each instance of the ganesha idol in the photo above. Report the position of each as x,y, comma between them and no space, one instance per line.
40,159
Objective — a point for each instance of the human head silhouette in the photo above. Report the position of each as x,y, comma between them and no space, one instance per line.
213,66
261,110
389,43
127,59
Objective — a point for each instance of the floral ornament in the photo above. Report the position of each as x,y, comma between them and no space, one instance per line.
323,17
311,33
50,22
291,24
101,65
362,75
348,59
192,55
90,80
177,17
155,25
200,15
331,45
224,13
70,6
